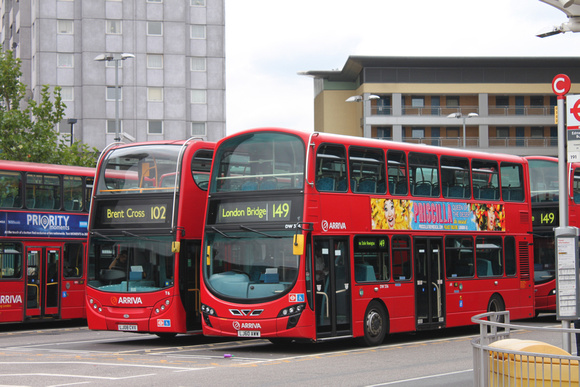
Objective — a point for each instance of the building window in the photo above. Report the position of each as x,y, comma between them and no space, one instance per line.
155,1
155,94
418,133
111,93
112,63
537,132
198,64
155,127
198,96
114,27
417,102
65,60
111,126
502,100
154,28
537,100
67,93
452,101
64,27
154,61
197,31
198,3
384,133
198,129
502,132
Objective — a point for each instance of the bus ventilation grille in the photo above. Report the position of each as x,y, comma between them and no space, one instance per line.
524,261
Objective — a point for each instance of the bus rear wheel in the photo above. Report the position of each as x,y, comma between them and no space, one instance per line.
375,324
496,304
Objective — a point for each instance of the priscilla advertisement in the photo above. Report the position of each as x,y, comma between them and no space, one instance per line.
401,214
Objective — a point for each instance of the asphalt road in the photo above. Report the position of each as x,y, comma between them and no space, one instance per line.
70,355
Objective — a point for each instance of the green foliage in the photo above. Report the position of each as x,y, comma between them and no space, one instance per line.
27,127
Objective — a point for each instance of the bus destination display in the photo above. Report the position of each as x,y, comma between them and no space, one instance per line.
546,216
134,213
262,211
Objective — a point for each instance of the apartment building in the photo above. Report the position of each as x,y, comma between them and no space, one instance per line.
154,67
496,104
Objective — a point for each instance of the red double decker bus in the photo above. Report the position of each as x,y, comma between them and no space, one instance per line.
145,237
43,233
317,236
545,196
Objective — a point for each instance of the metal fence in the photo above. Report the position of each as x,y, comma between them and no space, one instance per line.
497,362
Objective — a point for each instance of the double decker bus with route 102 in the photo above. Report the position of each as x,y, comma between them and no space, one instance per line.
145,237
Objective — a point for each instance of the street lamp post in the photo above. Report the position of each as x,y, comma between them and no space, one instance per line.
363,98
72,122
459,115
116,58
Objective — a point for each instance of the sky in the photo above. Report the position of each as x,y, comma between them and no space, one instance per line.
268,42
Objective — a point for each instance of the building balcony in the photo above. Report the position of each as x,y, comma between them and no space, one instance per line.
521,146
465,110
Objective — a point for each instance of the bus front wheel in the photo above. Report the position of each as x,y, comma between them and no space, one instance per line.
496,304
375,324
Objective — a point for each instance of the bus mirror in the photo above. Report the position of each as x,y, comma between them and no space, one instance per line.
298,245
208,255
175,247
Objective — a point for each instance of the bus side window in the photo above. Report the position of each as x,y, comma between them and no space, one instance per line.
397,172
331,175
459,257
401,258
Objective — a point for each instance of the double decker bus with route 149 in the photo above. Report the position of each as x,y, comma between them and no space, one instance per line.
317,236
43,232
545,196
145,237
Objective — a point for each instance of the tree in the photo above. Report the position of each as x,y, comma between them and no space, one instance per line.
27,127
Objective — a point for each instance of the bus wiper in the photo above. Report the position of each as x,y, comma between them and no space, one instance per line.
101,235
127,233
224,234
259,232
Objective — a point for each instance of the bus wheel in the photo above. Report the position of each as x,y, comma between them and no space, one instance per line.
496,305
375,324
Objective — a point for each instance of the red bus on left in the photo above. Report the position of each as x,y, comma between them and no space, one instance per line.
43,233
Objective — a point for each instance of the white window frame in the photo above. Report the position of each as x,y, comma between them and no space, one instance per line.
150,24
198,125
114,27
198,63
197,31
154,122
155,1
155,94
197,3
110,94
67,93
151,58
198,96
64,27
65,60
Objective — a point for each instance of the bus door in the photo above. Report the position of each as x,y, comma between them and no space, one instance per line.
189,283
332,287
429,283
42,281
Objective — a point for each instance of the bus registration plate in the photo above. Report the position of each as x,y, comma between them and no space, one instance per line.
249,333
132,328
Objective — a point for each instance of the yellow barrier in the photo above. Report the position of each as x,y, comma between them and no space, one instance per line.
506,369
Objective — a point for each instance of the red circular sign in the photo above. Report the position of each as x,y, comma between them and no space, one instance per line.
561,84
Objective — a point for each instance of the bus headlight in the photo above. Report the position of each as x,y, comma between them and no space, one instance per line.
207,311
552,292
162,306
293,313
95,305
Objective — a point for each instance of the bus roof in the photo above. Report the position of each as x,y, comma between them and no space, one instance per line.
45,168
366,142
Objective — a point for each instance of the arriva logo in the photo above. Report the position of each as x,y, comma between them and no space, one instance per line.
326,226
237,325
126,300
10,299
